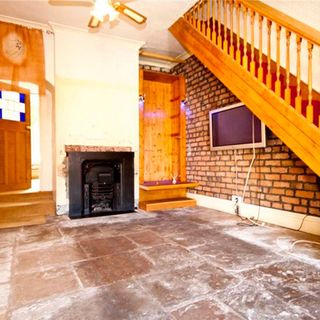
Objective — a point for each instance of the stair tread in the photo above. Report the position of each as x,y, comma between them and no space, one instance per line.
162,204
167,200
24,204
22,221
25,197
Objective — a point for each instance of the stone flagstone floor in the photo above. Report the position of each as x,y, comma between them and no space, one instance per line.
174,265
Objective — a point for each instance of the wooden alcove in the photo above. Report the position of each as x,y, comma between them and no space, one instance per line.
162,142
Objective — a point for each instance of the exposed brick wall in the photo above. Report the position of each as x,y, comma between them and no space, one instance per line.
279,179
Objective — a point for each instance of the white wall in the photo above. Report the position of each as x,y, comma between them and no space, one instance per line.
96,86
306,11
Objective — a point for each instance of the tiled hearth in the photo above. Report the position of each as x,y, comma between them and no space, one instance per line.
183,264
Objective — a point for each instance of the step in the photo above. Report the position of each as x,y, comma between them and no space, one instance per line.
167,204
12,211
17,196
22,221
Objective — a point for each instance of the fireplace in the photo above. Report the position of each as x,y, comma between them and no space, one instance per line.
100,183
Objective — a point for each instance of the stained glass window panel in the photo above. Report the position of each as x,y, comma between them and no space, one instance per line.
12,106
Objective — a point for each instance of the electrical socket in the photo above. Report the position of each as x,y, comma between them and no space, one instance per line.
236,200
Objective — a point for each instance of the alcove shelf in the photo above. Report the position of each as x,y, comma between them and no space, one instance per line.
162,128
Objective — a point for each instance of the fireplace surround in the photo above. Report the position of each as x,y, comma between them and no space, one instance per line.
100,182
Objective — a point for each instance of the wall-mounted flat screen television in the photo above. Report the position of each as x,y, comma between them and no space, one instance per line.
235,127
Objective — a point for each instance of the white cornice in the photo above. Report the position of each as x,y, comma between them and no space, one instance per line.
59,26
27,23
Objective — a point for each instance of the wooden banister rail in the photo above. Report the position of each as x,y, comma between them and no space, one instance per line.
274,55
284,20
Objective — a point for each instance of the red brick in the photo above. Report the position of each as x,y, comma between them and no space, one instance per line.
271,197
279,170
304,178
300,209
272,176
289,193
296,170
273,163
290,200
277,191
280,156
265,203
315,211
287,207
304,194
315,203
281,184
266,183
277,205
288,177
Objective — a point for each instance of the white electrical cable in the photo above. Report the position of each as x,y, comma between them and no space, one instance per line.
252,161
304,241
236,166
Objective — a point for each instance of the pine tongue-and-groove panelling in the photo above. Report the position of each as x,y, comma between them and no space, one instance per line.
279,179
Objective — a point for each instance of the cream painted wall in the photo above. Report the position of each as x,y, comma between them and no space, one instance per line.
306,11
96,86
47,178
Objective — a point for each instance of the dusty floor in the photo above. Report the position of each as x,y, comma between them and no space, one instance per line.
180,264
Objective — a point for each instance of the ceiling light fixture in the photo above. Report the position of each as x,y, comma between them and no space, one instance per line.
101,9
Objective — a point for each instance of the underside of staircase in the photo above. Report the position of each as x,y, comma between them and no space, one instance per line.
300,134
22,209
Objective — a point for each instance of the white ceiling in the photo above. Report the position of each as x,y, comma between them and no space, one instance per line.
161,15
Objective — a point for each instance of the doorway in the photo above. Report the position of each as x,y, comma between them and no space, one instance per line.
20,137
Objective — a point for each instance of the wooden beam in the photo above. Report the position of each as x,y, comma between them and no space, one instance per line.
158,56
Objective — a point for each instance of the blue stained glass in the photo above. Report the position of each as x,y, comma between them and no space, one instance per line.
22,117
0,94
22,97
0,112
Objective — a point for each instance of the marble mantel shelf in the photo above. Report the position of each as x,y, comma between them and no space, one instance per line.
81,148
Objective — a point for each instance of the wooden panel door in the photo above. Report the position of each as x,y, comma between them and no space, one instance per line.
15,148
162,127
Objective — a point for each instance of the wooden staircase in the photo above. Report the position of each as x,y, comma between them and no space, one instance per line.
216,32
22,209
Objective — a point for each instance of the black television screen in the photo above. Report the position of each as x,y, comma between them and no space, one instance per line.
235,127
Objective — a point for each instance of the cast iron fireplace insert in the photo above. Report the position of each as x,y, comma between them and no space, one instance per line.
100,183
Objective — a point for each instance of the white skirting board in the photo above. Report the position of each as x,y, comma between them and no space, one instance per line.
281,218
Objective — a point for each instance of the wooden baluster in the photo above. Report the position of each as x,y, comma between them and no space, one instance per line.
194,16
193,20
213,32
225,26
310,106
298,99
196,11
252,62
245,25
219,24
199,16
269,76
231,48
278,82
208,20
260,69
203,25
287,91
238,52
